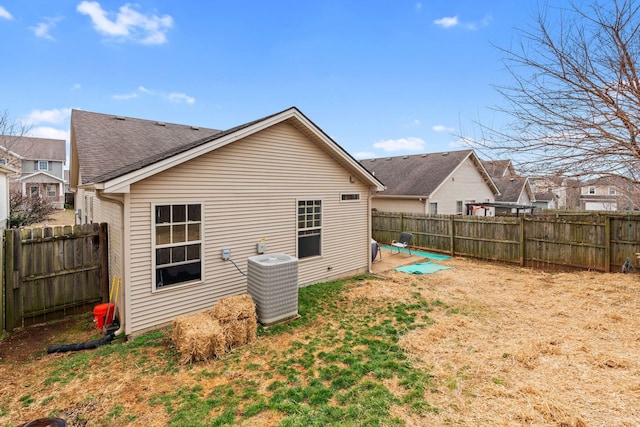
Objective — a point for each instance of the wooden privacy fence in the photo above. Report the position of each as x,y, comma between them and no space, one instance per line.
593,241
52,272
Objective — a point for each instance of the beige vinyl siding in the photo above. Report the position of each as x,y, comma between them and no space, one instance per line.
4,200
249,191
466,183
390,204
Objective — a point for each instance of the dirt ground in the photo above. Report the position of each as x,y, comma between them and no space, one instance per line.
506,346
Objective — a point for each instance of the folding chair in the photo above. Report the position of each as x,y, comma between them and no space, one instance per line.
403,243
375,251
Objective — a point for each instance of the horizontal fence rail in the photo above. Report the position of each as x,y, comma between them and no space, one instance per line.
51,272
592,241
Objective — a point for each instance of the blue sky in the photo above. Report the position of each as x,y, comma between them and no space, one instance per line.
382,78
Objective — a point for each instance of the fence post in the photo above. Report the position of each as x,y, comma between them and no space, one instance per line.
13,296
607,244
522,241
452,238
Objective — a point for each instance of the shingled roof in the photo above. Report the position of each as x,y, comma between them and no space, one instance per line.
30,148
114,145
418,174
510,188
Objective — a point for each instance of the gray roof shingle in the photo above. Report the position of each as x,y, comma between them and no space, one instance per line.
114,145
510,188
415,175
30,148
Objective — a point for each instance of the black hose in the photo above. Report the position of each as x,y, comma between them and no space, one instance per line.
81,346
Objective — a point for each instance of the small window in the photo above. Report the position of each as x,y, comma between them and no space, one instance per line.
43,165
433,208
51,190
612,190
592,190
309,228
459,207
178,244
3,161
349,197
34,190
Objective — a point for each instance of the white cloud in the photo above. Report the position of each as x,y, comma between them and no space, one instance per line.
441,128
181,97
42,29
418,7
49,132
77,86
125,96
447,22
453,21
128,24
402,144
144,89
56,116
4,14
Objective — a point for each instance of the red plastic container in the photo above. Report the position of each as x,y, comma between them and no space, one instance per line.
103,314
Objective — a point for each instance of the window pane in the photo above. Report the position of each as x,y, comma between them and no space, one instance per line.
179,233
177,274
179,213
308,246
163,214
193,252
193,231
194,213
178,254
163,234
163,256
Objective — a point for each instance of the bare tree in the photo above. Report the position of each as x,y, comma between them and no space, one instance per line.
575,94
11,134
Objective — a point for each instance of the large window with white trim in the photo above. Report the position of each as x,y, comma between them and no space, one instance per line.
309,228
177,244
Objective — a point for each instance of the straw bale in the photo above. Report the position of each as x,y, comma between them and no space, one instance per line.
238,319
198,337
234,308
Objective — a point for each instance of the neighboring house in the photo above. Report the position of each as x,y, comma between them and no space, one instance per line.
433,183
516,194
40,162
555,192
499,168
5,173
609,194
175,196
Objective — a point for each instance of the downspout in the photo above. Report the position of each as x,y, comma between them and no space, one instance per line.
101,196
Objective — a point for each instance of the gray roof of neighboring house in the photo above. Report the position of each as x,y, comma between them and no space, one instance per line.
510,188
497,168
114,145
31,148
418,174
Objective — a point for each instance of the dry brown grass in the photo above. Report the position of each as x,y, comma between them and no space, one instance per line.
532,347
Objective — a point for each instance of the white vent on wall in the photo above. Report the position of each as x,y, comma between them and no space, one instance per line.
272,282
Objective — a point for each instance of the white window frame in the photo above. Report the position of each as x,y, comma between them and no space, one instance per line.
459,207
433,206
311,226
592,190
171,224
350,197
41,163
51,193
